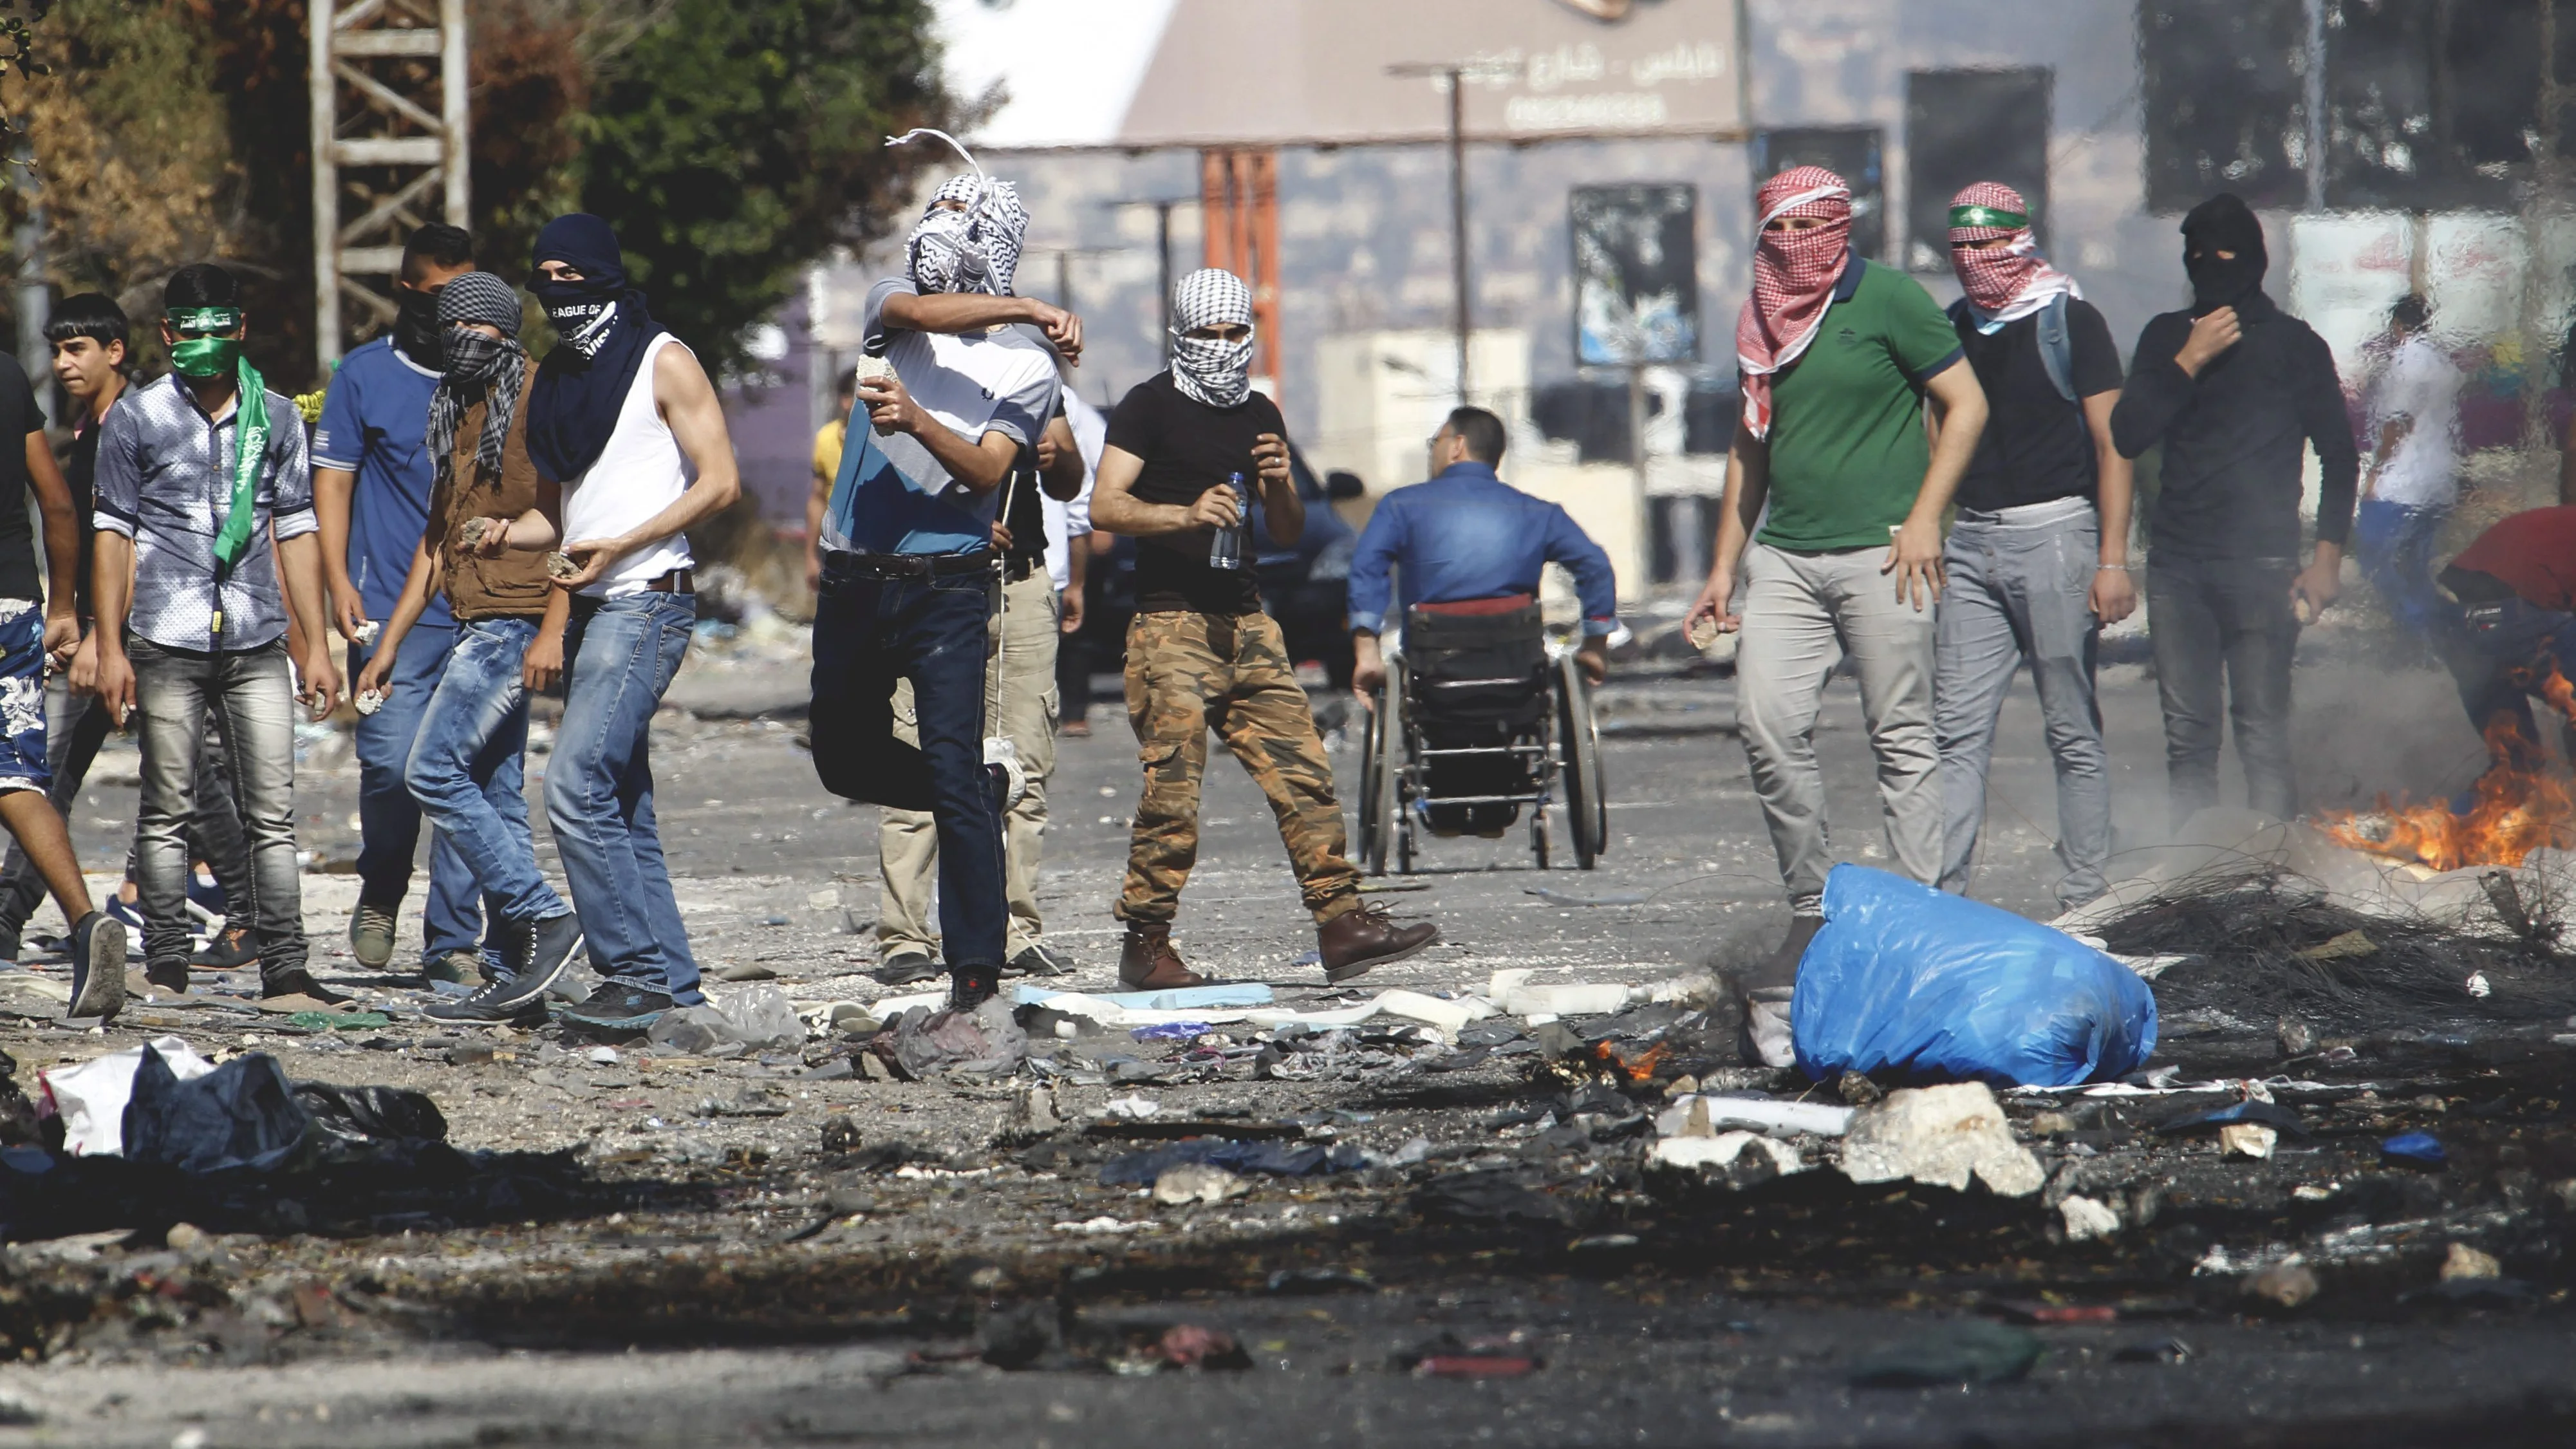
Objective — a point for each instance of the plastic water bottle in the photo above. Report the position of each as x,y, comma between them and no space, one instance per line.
1225,547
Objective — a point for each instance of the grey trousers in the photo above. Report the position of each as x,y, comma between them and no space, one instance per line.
1803,615
2022,591
252,700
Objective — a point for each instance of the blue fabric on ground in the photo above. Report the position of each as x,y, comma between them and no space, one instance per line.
1922,986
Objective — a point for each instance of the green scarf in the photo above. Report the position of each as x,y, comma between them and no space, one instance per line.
206,357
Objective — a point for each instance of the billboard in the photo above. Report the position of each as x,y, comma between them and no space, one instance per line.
1141,74
1636,274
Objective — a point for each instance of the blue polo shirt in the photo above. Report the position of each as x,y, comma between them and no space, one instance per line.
375,423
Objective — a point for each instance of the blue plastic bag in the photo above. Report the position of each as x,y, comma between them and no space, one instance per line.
1931,987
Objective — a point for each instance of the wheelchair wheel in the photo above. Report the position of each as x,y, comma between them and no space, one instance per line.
1538,836
1587,810
1383,824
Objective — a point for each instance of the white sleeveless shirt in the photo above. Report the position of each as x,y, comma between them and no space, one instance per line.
640,473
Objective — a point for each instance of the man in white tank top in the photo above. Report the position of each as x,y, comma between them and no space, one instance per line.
619,418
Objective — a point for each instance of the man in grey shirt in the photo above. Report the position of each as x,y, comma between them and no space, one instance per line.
206,539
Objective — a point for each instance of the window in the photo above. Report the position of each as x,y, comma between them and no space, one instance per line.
2224,100
1850,153
1963,126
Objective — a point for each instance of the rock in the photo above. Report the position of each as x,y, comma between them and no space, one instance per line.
1858,1090
185,1237
2087,1219
1197,1182
2052,1124
2297,1037
2247,1139
746,971
2283,1285
840,1134
2468,1262
1940,1135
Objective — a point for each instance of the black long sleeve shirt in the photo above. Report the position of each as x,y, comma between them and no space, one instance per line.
2231,478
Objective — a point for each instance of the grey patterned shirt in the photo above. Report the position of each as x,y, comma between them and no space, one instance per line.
165,480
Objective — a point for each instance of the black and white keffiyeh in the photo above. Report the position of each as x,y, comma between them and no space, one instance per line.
1207,369
973,249
492,368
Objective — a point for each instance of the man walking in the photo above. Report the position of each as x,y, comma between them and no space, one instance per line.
2236,389
1184,449
2038,560
618,416
465,765
1839,359
2412,408
911,572
371,486
206,539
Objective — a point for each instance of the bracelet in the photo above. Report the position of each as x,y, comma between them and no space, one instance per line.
2110,568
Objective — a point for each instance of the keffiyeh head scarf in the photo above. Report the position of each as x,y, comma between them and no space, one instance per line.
1211,370
492,368
1793,280
2003,283
973,246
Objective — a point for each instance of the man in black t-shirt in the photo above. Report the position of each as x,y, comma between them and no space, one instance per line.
1201,655
2039,557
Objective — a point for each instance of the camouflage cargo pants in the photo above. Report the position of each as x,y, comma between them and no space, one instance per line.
1188,674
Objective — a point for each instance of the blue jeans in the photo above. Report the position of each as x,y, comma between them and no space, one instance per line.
936,632
2222,628
466,772
2498,653
621,654
2395,546
389,818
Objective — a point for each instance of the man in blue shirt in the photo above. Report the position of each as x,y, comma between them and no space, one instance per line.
1467,535
371,483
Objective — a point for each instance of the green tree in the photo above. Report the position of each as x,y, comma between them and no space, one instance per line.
736,141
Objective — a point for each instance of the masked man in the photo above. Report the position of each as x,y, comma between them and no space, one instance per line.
2237,390
619,418
206,540
911,575
1201,655
2038,559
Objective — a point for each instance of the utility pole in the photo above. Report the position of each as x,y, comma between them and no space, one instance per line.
1452,77
379,147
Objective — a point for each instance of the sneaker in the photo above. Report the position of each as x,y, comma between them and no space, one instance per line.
98,967
299,982
488,1006
904,968
621,1008
462,967
10,943
128,913
1357,942
371,935
971,986
205,894
549,949
229,951
1040,959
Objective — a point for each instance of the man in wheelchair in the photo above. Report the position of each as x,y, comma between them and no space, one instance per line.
1466,550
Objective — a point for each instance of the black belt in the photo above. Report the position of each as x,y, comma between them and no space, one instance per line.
908,565
677,581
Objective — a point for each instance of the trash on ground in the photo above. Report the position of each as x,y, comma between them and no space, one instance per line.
2253,1110
1970,1351
1187,1182
2415,1149
1916,983
2283,1285
1490,1197
91,1098
1718,1112
2247,1139
1940,1135
1727,1152
2464,1261
2086,1218
1500,1356
1279,1159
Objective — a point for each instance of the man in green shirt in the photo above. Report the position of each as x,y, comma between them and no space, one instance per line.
1837,358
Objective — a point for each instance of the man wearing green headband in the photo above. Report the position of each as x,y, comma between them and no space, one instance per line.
206,541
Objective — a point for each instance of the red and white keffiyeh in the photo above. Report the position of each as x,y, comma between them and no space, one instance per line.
2011,281
1793,280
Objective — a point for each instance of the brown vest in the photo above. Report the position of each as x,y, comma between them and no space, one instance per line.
513,585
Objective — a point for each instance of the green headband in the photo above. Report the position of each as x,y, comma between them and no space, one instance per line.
1987,216
203,319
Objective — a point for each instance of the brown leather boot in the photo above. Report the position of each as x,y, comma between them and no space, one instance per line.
1147,961
1351,944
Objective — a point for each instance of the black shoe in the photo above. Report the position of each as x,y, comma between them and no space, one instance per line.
971,986
299,982
490,1006
904,968
619,1008
10,943
1040,959
229,951
170,976
536,959
98,967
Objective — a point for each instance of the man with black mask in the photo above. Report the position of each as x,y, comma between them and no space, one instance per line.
2235,389
372,478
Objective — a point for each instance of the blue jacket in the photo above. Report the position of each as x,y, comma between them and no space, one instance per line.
1468,535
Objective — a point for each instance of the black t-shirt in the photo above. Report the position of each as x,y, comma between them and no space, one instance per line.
2036,446
1188,448
19,416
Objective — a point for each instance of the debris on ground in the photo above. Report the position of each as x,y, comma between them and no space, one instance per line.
1941,1135
1971,1351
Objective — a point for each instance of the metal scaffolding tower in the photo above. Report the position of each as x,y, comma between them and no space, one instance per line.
381,146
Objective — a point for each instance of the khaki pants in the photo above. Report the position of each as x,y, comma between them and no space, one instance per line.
1024,712
1191,673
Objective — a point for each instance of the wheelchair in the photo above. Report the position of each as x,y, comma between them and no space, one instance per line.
1481,716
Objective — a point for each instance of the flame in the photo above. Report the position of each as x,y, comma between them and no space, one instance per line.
2519,804
1639,1068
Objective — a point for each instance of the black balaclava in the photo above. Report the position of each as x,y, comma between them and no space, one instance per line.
2223,223
416,328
